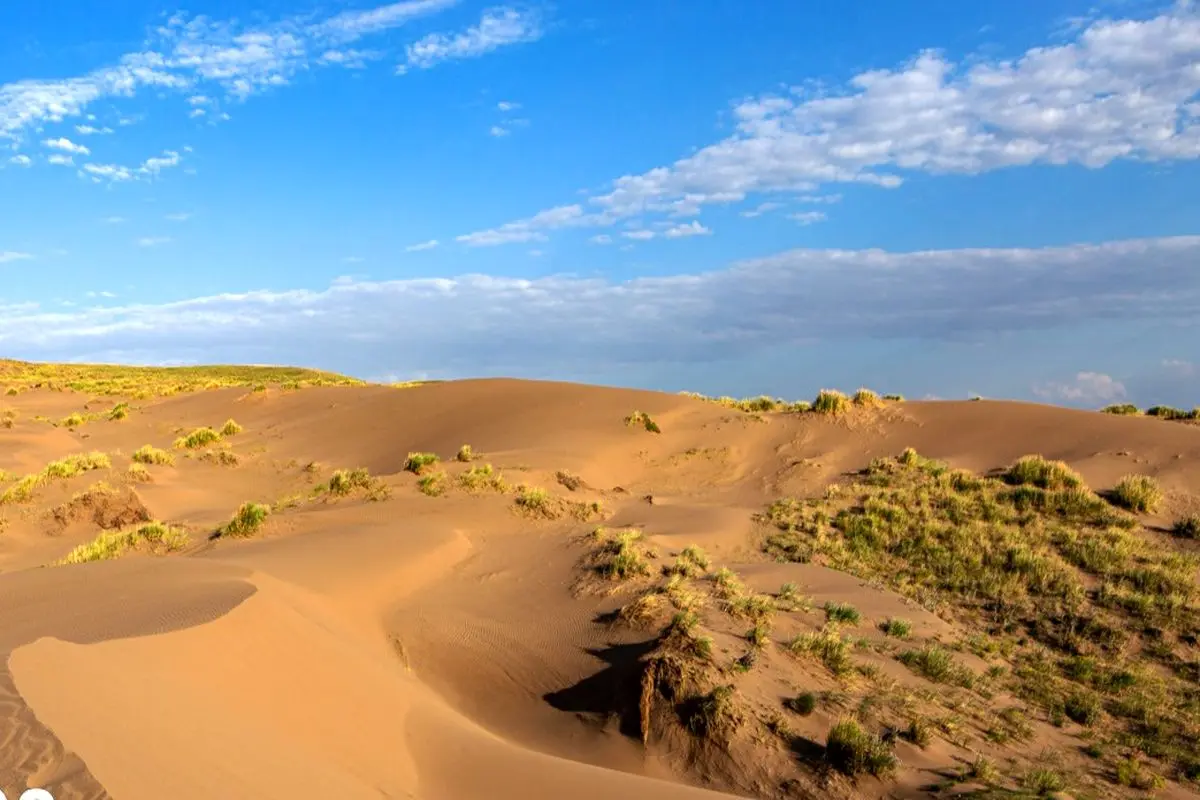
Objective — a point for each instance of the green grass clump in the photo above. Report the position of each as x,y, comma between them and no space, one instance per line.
1167,412
146,454
200,437
432,484
1043,474
1121,410
643,419
230,428
344,482
852,751
139,474
482,476
73,421
1138,493
537,502
827,646
842,613
621,554
113,544
866,398
465,454
803,704
691,563
1187,527
118,412
1043,782
937,665
246,520
789,598
416,462
831,402
896,628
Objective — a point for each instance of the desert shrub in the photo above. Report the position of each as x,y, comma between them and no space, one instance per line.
643,419
344,481
803,704
852,751
139,474
200,437
231,428
464,454
621,554
74,420
1082,707
1138,493
983,770
147,454
896,627
1042,473
894,398
568,481
827,646
537,501
937,665
752,606
918,732
832,402
119,412
1187,527
789,598
1043,781
432,483
113,544
419,461
1121,409
1167,412
714,714
246,520
867,399
842,613
482,476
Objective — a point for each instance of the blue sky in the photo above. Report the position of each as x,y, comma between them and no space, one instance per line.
933,197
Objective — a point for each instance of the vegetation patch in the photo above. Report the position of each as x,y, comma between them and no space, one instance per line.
852,750
230,428
465,454
432,484
23,490
200,437
619,555
147,454
1138,493
1187,527
831,402
482,477
345,482
644,420
154,536
246,521
417,462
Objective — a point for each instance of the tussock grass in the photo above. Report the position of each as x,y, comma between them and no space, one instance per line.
691,563
1138,493
113,544
417,462
831,402
432,484
896,628
73,420
568,481
620,555
147,454
536,501
827,646
1122,410
465,454
752,405
200,437
1044,474
865,398
851,750
715,714
643,419
345,482
139,474
118,412
803,704
937,665
842,613
1187,527
230,428
481,477
23,490
789,598
221,456
246,521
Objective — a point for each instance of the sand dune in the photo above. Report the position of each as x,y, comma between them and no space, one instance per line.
387,643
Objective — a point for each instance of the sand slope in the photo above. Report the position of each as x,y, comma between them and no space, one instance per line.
432,647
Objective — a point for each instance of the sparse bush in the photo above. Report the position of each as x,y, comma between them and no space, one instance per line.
1187,528
643,419
230,428
843,613
896,627
344,481
691,563
465,454
200,437
568,481
432,483
74,420
246,520
752,606
419,461
827,646
119,412
715,714
789,598
482,476
1038,471
803,704
894,398
536,501
1138,493
621,555
760,634
1043,781
1083,708
919,733
113,544
1167,412
222,456
867,399
983,770
1121,409
147,454
832,402
937,665
852,751
139,474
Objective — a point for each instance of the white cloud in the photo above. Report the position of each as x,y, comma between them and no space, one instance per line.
498,131
1121,89
21,160
88,130
67,146
505,105
528,230
808,217
110,172
60,160
760,209
1086,387
8,255
639,235
152,241
100,294
416,248
181,216
199,100
826,199
498,27
350,58
729,313
693,228
150,168
352,25
537,253
601,238
196,113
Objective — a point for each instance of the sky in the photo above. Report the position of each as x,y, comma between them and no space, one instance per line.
931,197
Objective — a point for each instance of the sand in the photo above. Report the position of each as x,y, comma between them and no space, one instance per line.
432,647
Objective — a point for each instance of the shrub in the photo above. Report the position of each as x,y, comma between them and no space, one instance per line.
152,455
200,437
842,613
896,627
344,481
803,704
74,420
1038,471
1083,708
919,733
1043,781
983,770
1138,493
832,402
894,398
537,501
568,481
432,483
1167,412
246,520
230,428
465,454
643,419
851,750
827,646
1187,528
621,555
139,474
419,461
119,412
867,399
937,665
480,477
113,544
789,597
1121,409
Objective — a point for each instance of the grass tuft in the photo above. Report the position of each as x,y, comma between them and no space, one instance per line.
113,544
230,428
865,398
852,751
246,520
432,484
643,419
842,613
1138,493
200,437
147,454
831,402
1042,473
481,477
465,454
1187,527
896,628
416,462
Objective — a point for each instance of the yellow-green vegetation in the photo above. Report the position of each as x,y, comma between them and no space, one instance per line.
432,483
1187,528
200,437
344,482
73,420
620,554
222,456
831,402
1161,412
108,379
789,598
482,476
8,417
866,398
1122,410
230,428
1138,493
568,481
118,412
154,536
246,520
465,454
22,491
147,454
826,645
416,462
842,613
1084,617
896,628
139,474
752,405
643,419
691,563
537,502
852,750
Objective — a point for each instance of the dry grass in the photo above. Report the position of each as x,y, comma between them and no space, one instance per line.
417,462
644,420
200,437
146,454
481,477
23,490
246,521
154,536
